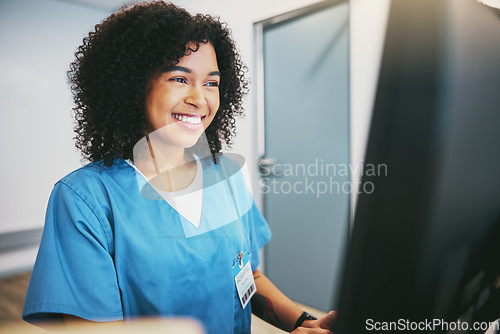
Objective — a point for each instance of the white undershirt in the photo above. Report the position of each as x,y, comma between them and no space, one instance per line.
188,201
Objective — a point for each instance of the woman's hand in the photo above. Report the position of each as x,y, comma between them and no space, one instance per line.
322,325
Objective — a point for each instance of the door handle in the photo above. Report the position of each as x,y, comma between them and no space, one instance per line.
267,167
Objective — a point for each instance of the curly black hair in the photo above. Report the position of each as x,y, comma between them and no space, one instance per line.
112,66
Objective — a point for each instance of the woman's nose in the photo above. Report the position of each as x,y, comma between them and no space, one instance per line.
196,97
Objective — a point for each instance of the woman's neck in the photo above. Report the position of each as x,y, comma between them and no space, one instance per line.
166,167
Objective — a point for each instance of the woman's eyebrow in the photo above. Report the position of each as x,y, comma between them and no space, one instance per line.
187,70
177,68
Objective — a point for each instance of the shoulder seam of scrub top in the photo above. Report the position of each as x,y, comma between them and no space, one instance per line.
90,208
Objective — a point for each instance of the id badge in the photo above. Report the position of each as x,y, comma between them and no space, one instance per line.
243,276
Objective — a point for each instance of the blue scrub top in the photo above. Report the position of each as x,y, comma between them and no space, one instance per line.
110,252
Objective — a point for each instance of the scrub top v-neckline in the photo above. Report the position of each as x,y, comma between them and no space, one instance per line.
187,202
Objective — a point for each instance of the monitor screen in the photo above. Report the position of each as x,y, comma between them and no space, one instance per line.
424,253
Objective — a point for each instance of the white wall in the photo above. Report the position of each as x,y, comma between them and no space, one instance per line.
367,27
37,41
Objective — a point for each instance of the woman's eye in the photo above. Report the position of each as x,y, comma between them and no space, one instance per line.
212,84
181,80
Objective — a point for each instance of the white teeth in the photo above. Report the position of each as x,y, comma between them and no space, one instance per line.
187,119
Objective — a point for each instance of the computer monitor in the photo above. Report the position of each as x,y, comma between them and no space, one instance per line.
424,253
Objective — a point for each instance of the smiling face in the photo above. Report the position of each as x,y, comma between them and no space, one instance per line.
182,100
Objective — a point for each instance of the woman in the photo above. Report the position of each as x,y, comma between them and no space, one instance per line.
159,223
